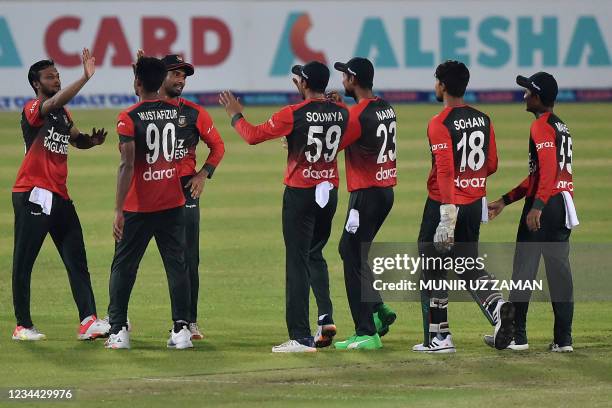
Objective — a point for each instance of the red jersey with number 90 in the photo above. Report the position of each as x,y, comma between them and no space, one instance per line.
155,184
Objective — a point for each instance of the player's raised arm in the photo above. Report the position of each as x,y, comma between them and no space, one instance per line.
279,125
64,96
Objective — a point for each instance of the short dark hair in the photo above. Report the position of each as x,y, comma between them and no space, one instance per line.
34,71
151,72
455,76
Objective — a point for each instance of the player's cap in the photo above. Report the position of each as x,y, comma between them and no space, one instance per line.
361,68
542,84
174,62
315,73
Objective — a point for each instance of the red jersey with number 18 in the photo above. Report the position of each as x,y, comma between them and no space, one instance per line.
463,155
152,126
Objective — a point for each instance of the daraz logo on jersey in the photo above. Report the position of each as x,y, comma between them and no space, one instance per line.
56,142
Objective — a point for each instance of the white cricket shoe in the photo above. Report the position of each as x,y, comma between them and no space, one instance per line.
442,346
503,316
92,328
180,340
293,346
555,348
420,348
120,340
196,334
27,334
129,325
488,339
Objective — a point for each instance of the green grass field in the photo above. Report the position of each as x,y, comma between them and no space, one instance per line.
242,290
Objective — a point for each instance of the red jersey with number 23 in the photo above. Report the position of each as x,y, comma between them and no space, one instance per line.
155,185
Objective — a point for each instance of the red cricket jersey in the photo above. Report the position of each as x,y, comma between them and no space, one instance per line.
45,164
155,184
463,155
370,143
314,129
550,162
194,123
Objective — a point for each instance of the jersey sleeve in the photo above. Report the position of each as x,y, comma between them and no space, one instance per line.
279,125
517,192
440,140
353,129
32,113
543,136
125,127
492,154
210,135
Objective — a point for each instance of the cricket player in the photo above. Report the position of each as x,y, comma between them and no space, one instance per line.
371,173
548,216
149,203
40,198
314,130
193,124
463,155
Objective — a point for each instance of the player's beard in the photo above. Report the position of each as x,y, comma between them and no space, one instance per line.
49,92
439,98
173,92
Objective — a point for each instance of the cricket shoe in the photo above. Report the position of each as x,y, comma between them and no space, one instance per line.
555,348
383,318
437,346
180,340
117,341
342,345
196,334
91,328
305,345
129,325
488,339
503,316
27,334
420,348
326,330
365,343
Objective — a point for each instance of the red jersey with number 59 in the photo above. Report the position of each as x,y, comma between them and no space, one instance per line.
550,162
370,140
463,155
314,129
155,186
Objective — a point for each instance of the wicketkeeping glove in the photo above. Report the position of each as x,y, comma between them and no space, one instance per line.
445,232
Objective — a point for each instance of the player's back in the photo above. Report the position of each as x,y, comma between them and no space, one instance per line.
318,126
474,153
151,125
371,159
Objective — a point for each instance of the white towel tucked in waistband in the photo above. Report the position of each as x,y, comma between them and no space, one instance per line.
42,197
571,218
484,218
322,193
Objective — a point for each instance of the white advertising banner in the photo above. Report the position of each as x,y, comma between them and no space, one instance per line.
251,45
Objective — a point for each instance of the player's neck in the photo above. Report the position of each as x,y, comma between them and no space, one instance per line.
543,112
148,96
452,101
361,94
163,95
314,95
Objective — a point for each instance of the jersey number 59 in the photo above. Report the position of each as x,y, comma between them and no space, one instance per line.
332,141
